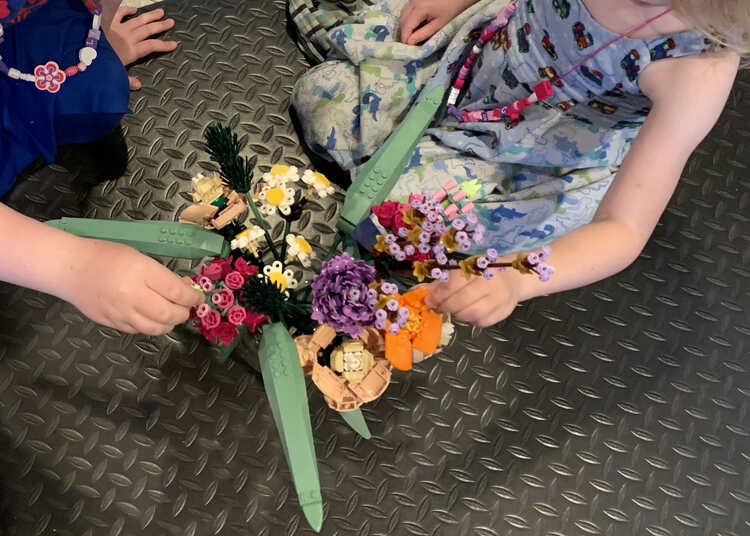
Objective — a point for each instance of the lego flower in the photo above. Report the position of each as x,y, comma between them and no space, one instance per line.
217,269
247,270
299,248
342,296
276,198
210,319
207,189
386,213
225,332
236,315
275,273
248,239
280,175
234,280
223,298
253,321
49,77
318,182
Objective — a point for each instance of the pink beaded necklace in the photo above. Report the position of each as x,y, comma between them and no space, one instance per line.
48,76
542,90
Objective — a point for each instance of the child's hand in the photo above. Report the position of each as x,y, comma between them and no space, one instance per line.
477,300
421,19
133,39
116,286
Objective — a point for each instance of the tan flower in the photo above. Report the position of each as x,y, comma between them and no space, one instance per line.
207,189
469,266
520,264
380,244
412,217
449,240
413,235
422,269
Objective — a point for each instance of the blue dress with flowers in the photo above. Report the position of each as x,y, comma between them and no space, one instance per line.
87,106
534,178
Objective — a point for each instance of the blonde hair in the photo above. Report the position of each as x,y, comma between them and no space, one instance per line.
725,22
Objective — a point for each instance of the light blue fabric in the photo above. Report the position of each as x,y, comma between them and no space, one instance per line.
540,176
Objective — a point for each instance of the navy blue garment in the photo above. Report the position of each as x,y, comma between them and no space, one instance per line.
88,106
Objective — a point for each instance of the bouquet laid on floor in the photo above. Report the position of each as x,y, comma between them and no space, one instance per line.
346,323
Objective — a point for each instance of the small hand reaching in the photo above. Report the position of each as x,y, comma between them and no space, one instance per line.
476,300
421,19
116,286
134,39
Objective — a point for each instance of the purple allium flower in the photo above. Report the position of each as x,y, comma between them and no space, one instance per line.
394,328
394,249
461,236
380,314
400,256
452,262
464,245
544,253
488,273
439,228
427,226
436,273
491,254
424,237
423,248
380,324
532,259
459,224
409,249
332,301
372,294
482,263
438,248
403,231
390,238
442,259
403,312
471,218
388,288
477,237
392,305
433,216
445,276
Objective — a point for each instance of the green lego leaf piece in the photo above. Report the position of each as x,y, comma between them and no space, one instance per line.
168,238
287,395
377,177
356,422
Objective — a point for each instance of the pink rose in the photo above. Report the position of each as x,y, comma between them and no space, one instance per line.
208,334
234,280
223,298
212,271
398,222
226,332
248,270
211,319
236,315
254,320
205,283
202,310
386,211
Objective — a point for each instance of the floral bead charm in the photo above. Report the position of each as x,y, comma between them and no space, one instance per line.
49,77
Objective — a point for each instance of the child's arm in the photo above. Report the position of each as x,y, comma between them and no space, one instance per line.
689,95
421,19
112,284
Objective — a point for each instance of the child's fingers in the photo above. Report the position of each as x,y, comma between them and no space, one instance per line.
144,48
483,313
172,288
443,292
145,325
149,30
146,18
462,298
411,22
425,32
123,12
135,84
156,308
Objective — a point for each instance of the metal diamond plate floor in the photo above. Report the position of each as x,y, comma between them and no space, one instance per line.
620,409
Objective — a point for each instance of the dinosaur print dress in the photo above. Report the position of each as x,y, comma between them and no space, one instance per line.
532,179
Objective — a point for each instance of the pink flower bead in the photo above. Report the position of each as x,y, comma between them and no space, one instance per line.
202,310
211,320
236,315
223,298
234,280
206,284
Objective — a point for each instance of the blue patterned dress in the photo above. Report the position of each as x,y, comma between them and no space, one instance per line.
537,177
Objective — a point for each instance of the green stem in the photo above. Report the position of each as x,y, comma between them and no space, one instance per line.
263,225
332,250
287,228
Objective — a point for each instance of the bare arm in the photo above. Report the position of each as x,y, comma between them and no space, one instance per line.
689,95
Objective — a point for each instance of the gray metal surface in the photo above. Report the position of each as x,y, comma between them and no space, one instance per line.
620,409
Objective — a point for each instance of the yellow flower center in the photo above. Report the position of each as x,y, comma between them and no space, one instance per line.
279,170
322,179
246,232
278,279
303,245
275,196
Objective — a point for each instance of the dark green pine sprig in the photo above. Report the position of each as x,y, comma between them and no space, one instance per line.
224,148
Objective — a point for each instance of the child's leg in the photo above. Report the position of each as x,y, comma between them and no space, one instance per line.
521,207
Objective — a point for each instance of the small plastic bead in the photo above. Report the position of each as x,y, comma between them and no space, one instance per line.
451,210
71,71
14,73
82,67
459,195
87,55
439,195
468,207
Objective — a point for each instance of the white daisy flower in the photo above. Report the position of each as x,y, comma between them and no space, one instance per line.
300,249
277,197
318,182
275,273
280,175
248,239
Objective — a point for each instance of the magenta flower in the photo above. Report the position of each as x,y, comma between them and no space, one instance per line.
49,77
226,333
234,280
223,298
211,319
236,315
